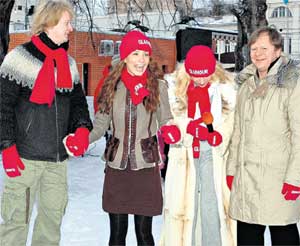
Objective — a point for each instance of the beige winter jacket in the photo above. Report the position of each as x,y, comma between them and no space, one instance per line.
265,147
131,126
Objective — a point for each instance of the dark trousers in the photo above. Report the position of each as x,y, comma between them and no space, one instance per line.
119,226
253,234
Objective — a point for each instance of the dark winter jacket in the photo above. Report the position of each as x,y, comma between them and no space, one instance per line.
36,129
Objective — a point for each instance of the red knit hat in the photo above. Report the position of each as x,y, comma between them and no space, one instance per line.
200,61
132,41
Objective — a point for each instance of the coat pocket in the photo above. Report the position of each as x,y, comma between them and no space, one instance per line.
111,149
14,205
150,149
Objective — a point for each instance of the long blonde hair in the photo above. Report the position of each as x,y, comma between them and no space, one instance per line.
48,14
182,79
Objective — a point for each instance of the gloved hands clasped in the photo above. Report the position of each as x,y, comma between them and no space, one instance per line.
76,144
12,163
197,130
203,133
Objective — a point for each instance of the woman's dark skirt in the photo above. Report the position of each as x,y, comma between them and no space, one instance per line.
132,192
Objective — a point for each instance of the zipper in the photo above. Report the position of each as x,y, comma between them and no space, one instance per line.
31,117
27,129
56,123
129,135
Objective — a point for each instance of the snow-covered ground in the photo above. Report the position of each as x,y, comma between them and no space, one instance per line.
85,223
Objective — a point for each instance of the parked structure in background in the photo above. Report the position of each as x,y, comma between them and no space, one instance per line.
21,15
285,16
222,43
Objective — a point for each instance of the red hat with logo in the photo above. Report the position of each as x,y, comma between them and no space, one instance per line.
200,61
132,41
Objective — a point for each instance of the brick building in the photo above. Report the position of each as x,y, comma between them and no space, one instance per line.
90,62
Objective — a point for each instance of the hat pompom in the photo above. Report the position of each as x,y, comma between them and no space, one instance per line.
200,61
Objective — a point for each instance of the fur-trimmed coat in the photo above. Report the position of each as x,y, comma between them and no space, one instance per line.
180,179
265,148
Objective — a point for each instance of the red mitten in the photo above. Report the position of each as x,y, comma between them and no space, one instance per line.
197,131
171,134
12,162
76,144
229,180
138,93
214,138
290,192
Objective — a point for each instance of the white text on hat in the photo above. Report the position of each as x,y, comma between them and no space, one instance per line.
198,72
144,41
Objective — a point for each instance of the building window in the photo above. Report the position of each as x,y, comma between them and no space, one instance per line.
217,46
117,47
222,46
18,26
227,46
147,6
106,48
232,46
290,45
281,12
165,68
19,7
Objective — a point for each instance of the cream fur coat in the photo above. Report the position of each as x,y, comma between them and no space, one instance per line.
180,180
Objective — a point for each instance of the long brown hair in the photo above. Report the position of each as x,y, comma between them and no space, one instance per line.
151,102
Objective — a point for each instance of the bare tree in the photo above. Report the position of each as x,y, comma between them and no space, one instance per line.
251,14
86,8
6,7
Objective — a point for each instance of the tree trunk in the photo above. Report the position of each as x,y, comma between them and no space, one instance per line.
6,7
250,14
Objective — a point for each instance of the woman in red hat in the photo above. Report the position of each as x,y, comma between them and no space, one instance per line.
134,100
193,207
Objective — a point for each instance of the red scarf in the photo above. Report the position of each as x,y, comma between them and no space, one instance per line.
44,87
200,95
135,85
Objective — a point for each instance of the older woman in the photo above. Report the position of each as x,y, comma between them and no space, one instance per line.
264,158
